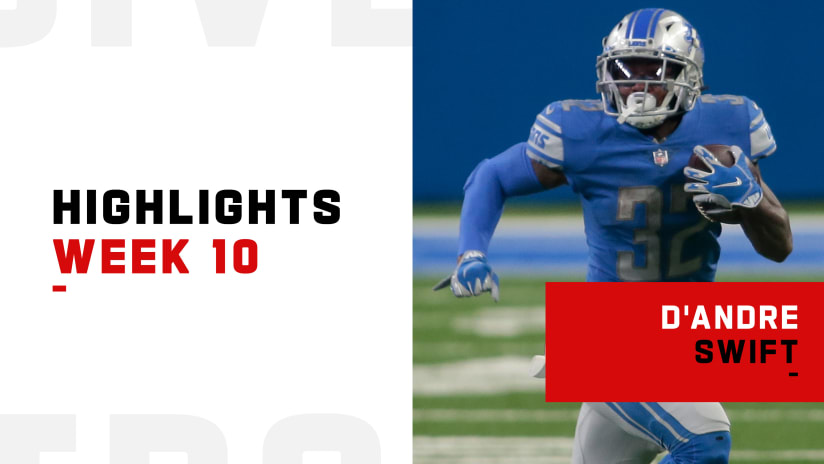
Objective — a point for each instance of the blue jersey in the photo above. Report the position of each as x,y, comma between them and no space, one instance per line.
640,225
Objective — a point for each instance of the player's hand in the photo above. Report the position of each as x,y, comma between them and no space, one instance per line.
720,190
472,277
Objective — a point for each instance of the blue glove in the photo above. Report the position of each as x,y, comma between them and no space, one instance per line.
723,188
472,277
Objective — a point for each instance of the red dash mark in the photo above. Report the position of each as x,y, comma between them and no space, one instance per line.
58,288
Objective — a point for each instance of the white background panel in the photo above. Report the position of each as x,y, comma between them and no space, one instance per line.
323,326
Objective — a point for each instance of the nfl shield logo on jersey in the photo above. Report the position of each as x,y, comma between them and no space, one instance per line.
661,157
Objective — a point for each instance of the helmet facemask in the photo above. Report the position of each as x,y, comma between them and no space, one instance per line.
663,70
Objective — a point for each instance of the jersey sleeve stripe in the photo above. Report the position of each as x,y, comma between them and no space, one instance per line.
762,142
765,153
758,126
556,156
547,124
757,121
542,158
546,143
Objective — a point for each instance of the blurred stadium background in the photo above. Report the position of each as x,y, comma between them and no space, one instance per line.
482,70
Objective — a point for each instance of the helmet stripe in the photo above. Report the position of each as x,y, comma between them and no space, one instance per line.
631,22
654,23
641,26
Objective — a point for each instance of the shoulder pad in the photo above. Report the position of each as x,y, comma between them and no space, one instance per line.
742,114
732,100
560,124
545,144
762,143
583,105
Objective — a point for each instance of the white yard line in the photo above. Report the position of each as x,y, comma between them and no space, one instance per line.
815,455
487,375
504,321
566,224
549,450
571,415
496,415
774,415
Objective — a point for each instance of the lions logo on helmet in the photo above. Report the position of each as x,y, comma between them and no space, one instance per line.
672,56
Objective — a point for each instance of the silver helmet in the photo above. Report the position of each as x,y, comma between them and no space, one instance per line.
672,58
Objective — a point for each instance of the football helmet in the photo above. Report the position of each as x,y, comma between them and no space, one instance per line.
648,48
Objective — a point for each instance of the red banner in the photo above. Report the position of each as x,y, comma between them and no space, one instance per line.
685,341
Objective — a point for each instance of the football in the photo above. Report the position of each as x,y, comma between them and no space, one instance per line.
721,152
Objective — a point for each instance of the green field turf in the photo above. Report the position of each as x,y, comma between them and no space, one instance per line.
474,403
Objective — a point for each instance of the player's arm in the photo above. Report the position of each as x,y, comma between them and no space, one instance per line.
549,178
768,224
523,169
493,181
512,173
738,194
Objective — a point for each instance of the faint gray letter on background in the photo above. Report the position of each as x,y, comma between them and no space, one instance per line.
356,23
225,22
29,22
233,23
112,23
133,437
24,437
287,440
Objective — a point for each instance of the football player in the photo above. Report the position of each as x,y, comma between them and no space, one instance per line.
649,216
